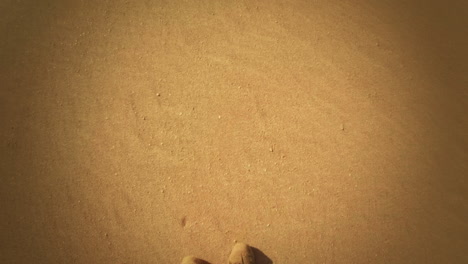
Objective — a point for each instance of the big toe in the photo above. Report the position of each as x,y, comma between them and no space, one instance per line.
241,254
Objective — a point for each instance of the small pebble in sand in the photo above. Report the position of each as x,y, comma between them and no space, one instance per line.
290,188
271,149
235,241
158,94
183,221
268,225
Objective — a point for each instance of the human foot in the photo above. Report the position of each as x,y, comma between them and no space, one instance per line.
241,254
193,260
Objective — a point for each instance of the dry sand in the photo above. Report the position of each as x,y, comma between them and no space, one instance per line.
316,131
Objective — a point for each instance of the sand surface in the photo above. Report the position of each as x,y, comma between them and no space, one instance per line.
316,131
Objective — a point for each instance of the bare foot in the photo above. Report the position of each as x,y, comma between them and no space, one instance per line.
241,254
193,260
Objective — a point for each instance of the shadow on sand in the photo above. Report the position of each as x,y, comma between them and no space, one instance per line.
260,257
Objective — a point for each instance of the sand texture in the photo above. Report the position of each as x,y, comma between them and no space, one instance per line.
316,131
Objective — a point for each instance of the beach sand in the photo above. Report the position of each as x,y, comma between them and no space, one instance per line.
315,131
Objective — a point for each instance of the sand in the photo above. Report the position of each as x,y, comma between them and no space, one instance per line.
315,131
